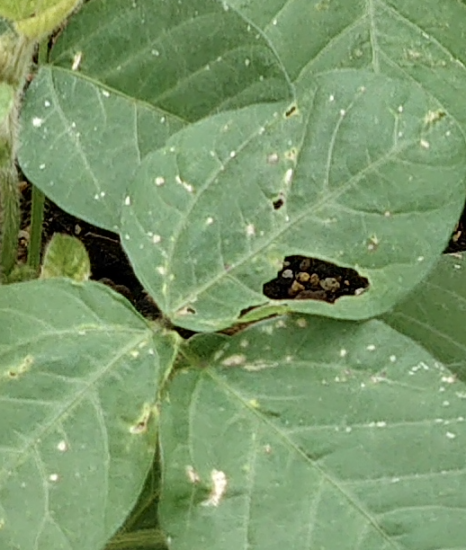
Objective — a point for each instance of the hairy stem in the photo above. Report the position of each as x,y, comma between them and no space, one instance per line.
15,59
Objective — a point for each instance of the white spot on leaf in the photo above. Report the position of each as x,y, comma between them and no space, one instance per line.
62,446
193,476
219,486
76,61
234,360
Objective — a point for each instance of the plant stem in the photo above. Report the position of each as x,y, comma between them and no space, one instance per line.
37,219
38,198
15,59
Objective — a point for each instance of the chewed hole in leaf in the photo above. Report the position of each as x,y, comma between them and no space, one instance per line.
303,278
278,202
293,110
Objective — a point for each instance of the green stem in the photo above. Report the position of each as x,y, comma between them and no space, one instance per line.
15,60
10,217
37,219
38,198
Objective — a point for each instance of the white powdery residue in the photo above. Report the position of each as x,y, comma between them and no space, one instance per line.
331,97
400,109
209,220
37,122
420,258
272,158
232,154
162,270
76,61
41,166
342,112
381,424
46,103
446,404
247,62
193,476
156,239
274,22
424,144
288,176
53,477
105,93
301,322
62,446
219,486
370,347
234,360
343,352
159,180
189,188
392,358
127,200
250,230
450,435
449,379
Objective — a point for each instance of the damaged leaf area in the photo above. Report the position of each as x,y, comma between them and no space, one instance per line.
310,279
350,177
319,422
78,383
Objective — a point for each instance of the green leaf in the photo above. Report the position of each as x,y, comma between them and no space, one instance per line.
368,176
313,433
46,17
66,256
392,37
433,314
190,59
141,530
78,385
80,144
126,76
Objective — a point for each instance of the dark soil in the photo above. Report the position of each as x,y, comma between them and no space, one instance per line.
300,278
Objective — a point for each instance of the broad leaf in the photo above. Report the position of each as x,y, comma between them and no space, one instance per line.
66,256
46,16
434,313
124,77
80,144
311,433
394,37
369,173
79,378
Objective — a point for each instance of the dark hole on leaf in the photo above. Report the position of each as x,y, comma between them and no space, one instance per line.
291,111
278,203
303,278
12,374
